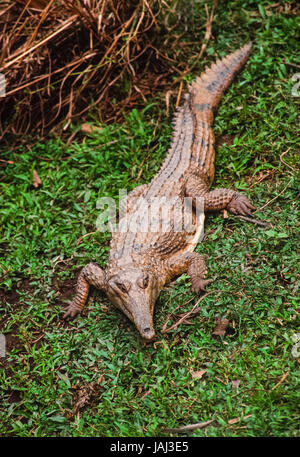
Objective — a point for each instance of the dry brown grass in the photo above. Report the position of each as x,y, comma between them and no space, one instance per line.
61,58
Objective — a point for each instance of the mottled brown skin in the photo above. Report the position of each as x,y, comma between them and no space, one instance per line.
141,263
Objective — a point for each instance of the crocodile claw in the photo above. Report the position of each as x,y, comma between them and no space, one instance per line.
71,311
240,204
199,284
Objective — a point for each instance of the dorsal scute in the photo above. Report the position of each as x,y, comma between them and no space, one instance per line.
221,73
192,138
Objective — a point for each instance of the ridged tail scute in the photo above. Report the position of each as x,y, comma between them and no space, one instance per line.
192,145
208,88
205,93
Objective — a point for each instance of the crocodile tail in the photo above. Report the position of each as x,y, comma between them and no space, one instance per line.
208,88
192,142
205,94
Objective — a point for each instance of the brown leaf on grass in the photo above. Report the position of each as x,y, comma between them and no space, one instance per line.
198,374
36,179
221,327
236,383
89,128
100,379
11,162
84,395
237,419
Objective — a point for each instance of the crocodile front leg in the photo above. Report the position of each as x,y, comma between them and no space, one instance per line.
218,199
90,275
191,263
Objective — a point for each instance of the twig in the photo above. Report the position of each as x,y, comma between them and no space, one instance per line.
270,201
291,64
81,238
115,385
48,75
281,160
170,314
262,178
19,57
254,221
284,376
57,261
38,339
179,93
42,18
188,428
184,317
141,168
207,36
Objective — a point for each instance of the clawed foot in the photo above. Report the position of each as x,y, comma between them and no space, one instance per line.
199,284
240,204
71,311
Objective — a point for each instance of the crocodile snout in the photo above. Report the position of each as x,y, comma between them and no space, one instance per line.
147,333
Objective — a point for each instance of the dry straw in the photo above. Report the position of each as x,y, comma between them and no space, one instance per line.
63,58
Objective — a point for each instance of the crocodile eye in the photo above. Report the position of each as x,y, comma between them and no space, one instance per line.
124,287
143,281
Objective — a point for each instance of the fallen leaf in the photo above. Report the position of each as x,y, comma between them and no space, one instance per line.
237,419
198,374
84,395
221,327
236,383
36,179
100,379
7,161
225,214
88,128
140,390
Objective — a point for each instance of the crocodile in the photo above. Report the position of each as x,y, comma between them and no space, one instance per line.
142,261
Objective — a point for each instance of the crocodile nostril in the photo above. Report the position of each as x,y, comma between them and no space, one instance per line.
147,329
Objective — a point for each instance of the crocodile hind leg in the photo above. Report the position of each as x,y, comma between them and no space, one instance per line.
218,199
228,199
90,275
191,263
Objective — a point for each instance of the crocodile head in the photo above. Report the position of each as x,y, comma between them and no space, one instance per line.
134,292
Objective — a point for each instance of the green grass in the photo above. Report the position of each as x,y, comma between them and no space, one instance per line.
136,390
